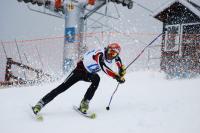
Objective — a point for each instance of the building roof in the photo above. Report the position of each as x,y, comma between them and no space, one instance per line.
192,5
195,1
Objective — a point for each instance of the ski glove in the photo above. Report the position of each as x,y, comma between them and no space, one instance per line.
122,71
120,79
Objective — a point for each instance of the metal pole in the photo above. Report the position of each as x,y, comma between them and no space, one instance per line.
39,57
148,59
26,58
74,29
19,56
4,49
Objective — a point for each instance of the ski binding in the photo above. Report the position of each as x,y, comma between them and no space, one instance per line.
88,114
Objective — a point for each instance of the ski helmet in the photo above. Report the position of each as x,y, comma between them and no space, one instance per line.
112,50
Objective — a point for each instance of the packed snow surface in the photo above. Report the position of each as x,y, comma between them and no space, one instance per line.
146,103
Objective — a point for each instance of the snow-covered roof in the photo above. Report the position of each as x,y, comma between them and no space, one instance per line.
196,2
186,3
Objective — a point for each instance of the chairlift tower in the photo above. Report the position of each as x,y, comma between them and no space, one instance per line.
74,13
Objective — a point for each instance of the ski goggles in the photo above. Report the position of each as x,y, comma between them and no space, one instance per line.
112,53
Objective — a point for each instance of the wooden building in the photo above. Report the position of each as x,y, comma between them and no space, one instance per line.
180,52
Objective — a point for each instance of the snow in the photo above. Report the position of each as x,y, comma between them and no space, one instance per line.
196,2
146,103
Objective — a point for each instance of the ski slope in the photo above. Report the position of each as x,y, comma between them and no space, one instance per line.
146,103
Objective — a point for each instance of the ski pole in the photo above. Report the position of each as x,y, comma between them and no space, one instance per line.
108,107
144,50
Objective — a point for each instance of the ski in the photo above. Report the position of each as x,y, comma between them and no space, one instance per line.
87,115
37,117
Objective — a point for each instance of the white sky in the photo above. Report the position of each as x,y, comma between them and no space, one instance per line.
18,22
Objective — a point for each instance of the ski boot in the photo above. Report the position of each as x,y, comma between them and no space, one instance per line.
84,106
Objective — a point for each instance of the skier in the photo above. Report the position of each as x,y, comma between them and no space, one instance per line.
86,70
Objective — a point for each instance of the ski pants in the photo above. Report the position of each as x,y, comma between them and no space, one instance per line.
78,74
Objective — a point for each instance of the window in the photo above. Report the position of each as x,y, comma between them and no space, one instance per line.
172,38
